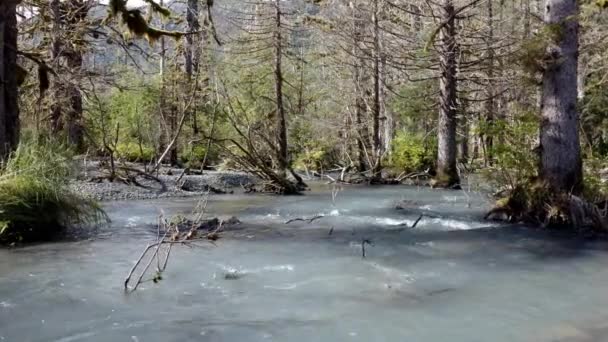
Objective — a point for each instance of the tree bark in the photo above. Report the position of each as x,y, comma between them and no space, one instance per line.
560,155
192,49
67,16
9,90
281,133
359,79
447,174
376,104
490,101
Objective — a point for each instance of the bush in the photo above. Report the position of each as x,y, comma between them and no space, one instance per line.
411,153
193,155
319,158
131,151
35,201
515,161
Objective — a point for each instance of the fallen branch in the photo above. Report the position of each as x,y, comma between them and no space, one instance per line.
308,220
169,234
418,220
363,242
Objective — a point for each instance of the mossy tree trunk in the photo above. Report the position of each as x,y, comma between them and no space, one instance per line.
68,16
9,91
560,155
447,174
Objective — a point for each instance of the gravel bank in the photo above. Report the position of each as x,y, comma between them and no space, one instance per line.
189,185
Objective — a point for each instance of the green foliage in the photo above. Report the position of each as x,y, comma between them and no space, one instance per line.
132,111
319,158
515,161
416,105
193,155
412,152
594,118
35,201
133,152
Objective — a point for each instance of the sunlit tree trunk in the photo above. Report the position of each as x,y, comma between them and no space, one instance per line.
560,156
447,174
9,109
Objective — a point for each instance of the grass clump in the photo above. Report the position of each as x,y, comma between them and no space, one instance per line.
35,200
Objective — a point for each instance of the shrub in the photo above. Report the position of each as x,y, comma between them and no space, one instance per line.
193,156
133,152
319,158
515,161
35,201
411,152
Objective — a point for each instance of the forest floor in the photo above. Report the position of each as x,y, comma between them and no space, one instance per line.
92,183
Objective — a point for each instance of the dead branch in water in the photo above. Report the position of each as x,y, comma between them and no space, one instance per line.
169,234
363,242
417,220
307,220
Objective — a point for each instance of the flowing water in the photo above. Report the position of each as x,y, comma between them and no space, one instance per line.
453,277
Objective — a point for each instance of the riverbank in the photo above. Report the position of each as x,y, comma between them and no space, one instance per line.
175,183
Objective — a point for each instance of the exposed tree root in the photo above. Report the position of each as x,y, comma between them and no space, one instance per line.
538,204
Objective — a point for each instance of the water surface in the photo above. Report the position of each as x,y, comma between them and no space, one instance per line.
454,277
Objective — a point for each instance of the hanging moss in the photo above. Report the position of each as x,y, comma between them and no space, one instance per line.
137,24
535,55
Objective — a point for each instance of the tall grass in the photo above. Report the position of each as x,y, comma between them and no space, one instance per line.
35,200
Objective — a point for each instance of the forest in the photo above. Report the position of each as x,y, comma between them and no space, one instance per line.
303,170
380,90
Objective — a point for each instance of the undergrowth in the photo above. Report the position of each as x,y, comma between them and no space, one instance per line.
35,200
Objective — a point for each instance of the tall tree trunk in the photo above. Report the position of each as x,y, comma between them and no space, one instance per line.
447,174
75,127
281,133
464,133
358,78
560,155
67,16
164,119
55,115
376,104
490,101
9,92
192,51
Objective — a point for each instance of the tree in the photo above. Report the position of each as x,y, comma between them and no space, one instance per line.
68,37
447,174
9,108
560,154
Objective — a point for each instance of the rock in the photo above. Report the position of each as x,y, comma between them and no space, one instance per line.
233,275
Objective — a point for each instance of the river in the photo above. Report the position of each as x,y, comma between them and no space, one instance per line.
454,277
